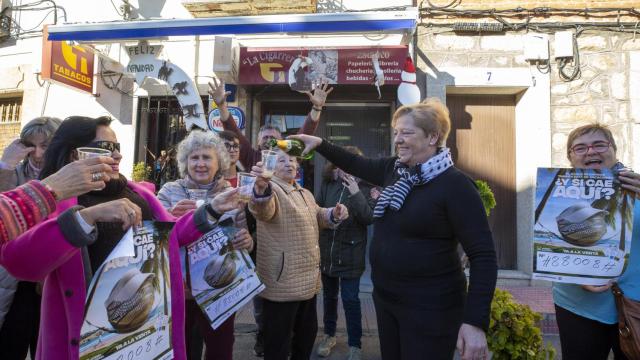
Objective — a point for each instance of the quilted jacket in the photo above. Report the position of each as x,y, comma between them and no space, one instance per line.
289,221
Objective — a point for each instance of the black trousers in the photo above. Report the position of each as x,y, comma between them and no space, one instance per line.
585,339
289,326
410,333
19,333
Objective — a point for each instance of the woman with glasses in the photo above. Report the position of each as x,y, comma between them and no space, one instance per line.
586,315
202,161
66,250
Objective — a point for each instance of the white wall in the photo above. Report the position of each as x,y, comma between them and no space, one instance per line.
20,63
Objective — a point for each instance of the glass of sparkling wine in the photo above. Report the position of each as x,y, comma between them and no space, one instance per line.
246,182
89,152
199,195
269,160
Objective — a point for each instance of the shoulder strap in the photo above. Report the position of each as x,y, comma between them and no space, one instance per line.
618,294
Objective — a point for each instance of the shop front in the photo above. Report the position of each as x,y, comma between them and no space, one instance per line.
269,61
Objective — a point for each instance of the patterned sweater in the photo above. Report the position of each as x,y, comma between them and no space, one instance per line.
23,208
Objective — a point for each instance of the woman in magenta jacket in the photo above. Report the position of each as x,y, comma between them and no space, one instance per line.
65,250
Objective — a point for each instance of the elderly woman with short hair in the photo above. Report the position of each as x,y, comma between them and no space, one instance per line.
19,302
202,161
423,305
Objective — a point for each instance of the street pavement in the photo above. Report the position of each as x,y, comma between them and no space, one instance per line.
538,298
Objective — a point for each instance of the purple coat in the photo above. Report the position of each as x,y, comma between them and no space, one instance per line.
43,253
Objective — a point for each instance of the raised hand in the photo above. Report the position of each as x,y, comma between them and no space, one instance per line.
226,201
15,152
262,182
350,183
121,210
80,177
217,93
318,96
340,212
182,207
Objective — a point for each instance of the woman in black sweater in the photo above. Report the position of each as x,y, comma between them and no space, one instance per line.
428,206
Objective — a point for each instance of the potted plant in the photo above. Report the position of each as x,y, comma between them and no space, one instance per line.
141,173
514,332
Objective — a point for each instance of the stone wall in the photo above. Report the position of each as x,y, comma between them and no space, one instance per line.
216,8
531,4
608,90
8,132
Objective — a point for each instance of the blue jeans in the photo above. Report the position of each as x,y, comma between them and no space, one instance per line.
349,289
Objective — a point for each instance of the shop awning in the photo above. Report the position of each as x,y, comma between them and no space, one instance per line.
348,22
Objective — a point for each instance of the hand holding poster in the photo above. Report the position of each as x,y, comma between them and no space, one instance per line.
128,308
222,279
583,225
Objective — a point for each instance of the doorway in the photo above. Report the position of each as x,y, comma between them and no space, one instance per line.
482,143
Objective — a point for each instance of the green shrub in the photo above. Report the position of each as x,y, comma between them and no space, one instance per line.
514,332
141,172
486,194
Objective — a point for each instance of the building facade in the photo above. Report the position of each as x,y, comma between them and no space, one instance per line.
493,63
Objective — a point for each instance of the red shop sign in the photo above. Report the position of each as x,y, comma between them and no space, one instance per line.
339,66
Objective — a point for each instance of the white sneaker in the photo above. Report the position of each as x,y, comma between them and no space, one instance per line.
354,353
326,344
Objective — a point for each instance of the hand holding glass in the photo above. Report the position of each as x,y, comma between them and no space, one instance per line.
198,195
89,152
269,160
246,182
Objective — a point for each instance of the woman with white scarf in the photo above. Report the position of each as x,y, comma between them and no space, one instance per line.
427,207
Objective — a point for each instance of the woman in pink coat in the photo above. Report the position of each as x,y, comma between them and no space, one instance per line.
66,250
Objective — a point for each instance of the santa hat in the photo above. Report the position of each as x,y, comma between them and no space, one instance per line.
408,65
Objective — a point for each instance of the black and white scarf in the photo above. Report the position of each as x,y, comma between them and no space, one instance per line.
393,195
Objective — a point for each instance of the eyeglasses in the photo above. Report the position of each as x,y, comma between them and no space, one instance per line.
599,147
107,145
232,146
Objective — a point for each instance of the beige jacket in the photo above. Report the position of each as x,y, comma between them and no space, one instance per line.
288,261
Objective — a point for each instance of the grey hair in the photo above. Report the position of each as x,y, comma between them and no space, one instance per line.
269,127
198,139
44,125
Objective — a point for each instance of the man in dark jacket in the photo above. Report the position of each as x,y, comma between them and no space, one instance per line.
342,256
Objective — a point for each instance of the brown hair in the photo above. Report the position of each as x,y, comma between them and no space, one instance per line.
431,115
327,172
590,129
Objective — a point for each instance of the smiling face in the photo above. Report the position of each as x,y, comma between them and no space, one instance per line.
286,167
592,159
413,146
202,165
105,133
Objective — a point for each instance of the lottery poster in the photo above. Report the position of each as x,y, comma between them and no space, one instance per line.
582,226
128,307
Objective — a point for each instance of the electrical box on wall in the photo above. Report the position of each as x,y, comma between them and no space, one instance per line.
536,46
564,44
